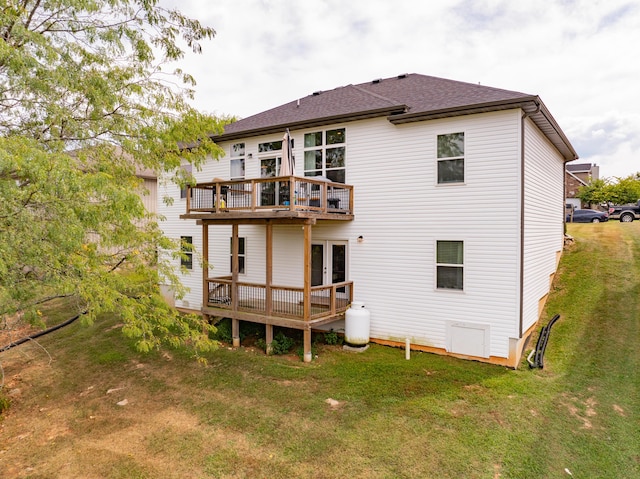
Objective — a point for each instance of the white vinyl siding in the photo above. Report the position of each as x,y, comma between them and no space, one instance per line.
543,219
175,228
149,194
400,213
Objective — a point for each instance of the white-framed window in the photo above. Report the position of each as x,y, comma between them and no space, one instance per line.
186,245
450,265
236,162
241,254
450,158
325,154
269,160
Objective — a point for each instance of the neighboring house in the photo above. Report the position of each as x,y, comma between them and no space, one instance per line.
575,176
443,214
149,189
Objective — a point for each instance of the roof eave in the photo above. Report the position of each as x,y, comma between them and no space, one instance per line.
279,128
531,105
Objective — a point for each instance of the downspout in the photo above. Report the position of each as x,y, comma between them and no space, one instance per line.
525,115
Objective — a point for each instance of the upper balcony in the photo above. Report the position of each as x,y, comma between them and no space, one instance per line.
275,197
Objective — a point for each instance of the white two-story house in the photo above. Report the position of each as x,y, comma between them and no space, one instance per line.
438,204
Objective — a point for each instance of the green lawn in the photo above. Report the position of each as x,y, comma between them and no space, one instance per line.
245,415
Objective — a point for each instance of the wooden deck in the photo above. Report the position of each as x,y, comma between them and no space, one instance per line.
272,201
286,306
269,199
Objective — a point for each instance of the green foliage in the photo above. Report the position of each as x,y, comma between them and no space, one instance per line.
5,403
223,331
597,192
86,101
332,338
281,343
622,191
626,190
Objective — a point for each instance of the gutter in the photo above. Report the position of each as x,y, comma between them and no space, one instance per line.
463,110
531,105
312,122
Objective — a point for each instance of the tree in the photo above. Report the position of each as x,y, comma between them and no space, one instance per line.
626,190
596,192
85,100
622,191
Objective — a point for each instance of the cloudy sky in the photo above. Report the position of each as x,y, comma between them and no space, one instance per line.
580,56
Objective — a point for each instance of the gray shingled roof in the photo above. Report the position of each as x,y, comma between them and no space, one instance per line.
579,167
405,98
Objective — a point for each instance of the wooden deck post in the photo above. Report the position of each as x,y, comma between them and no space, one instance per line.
205,267
235,266
269,268
267,281
307,291
269,338
307,345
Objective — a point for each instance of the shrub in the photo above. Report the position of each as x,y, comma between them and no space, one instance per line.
332,338
223,331
281,344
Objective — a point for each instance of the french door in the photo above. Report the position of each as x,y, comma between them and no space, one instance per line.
328,263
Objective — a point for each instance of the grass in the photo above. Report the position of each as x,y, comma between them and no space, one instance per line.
245,415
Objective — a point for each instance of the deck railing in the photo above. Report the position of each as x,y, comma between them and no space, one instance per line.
281,192
286,301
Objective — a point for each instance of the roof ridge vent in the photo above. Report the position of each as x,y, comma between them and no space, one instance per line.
377,80
403,75
316,93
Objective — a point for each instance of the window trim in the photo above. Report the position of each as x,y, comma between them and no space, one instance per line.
461,266
242,240
241,158
187,252
452,158
323,147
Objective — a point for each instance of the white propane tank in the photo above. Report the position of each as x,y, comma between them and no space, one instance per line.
356,325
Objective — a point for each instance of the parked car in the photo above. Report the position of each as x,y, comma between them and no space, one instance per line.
587,216
625,213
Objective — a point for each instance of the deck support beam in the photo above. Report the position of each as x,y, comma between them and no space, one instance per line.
205,267
269,338
307,292
307,345
268,279
235,266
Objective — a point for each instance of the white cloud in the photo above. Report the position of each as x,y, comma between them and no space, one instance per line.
578,55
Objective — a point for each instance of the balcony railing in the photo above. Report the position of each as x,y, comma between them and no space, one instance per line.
274,193
285,301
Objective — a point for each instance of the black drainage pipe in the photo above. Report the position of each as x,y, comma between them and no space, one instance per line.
541,345
40,333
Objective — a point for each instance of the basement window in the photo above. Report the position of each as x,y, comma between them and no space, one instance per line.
450,265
